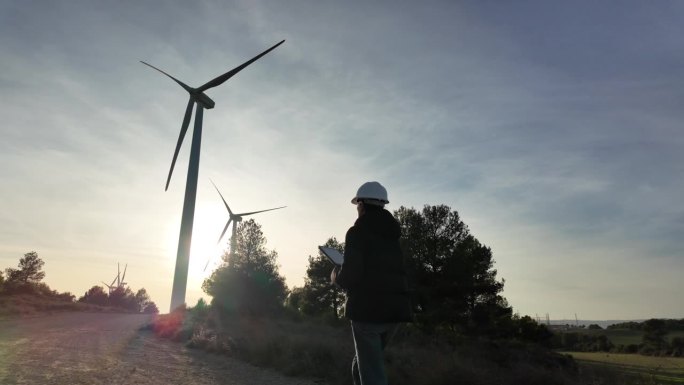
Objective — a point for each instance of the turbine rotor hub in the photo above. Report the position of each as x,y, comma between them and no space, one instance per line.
202,99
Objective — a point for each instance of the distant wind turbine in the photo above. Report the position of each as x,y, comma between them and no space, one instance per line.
197,96
235,218
119,280
111,286
122,283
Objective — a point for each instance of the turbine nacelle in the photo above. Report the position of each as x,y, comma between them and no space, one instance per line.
202,99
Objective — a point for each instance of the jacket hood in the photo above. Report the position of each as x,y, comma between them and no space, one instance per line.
380,222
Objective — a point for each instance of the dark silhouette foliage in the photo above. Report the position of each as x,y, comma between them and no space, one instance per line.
319,296
151,308
27,280
653,340
27,276
122,298
677,346
24,284
582,342
631,325
248,282
96,296
451,273
142,300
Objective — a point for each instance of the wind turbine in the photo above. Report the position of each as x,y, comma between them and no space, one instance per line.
111,286
118,279
197,96
235,218
121,283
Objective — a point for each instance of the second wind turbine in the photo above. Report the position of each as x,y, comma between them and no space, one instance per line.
197,96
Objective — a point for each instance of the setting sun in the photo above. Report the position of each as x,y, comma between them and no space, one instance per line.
204,250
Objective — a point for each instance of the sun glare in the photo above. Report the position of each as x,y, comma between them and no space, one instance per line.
204,251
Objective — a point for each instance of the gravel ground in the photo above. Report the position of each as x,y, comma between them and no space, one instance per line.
97,348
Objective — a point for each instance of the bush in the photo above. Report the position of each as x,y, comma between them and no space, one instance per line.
307,347
654,342
239,292
581,342
677,346
151,308
121,298
249,282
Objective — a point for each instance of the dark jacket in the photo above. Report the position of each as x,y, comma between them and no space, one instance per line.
373,274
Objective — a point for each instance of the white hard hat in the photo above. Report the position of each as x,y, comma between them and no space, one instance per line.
372,191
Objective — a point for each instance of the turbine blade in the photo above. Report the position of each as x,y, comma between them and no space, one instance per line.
180,83
220,79
224,230
224,201
124,274
256,212
184,129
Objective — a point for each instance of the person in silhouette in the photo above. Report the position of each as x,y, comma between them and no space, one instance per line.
374,280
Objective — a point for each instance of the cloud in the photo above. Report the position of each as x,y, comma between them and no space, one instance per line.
552,129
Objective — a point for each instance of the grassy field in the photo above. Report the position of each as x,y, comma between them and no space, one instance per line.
653,370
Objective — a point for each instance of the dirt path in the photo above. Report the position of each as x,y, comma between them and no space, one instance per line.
93,348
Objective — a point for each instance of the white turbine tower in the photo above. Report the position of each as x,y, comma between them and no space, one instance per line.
197,96
121,283
235,219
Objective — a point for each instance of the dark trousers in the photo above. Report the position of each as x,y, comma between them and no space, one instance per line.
370,339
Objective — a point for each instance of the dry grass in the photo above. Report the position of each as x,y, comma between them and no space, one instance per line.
634,367
31,304
315,349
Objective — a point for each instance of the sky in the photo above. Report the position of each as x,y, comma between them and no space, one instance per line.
554,128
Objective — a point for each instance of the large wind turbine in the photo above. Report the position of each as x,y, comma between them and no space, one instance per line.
235,218
197,96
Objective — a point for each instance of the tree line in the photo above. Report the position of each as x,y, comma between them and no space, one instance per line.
121,298
654,339
670,325
27,279
453,282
